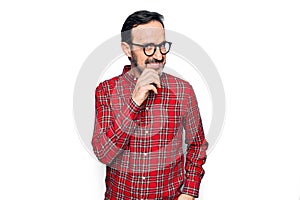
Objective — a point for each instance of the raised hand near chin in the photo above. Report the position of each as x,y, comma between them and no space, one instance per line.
147,81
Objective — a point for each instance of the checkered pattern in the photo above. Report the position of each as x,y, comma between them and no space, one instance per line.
142,146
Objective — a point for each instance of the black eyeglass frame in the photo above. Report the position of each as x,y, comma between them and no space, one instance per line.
155,45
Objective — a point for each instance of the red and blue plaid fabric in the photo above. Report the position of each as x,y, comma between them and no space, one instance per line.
143,146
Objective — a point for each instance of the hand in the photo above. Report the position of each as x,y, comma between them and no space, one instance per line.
143,85
185,197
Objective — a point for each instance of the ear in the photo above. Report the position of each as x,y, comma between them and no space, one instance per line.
126,49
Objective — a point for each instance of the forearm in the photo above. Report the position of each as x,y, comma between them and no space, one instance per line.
197,146
194,172
112,131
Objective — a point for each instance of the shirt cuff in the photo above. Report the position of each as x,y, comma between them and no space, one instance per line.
191,188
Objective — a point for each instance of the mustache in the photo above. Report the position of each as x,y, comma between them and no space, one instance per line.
153,60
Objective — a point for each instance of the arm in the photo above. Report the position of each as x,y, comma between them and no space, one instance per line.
197,145
113,127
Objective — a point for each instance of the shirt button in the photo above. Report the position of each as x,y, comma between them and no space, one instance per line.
147,108
146,132
143,177
145,154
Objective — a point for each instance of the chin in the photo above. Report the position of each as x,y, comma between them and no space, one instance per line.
156,67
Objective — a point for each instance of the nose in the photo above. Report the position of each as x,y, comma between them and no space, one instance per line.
157,55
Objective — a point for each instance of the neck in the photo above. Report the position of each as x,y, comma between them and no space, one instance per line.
135,71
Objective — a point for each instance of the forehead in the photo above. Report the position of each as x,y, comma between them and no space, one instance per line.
152,32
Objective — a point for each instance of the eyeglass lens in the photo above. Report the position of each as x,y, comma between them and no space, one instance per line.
151,48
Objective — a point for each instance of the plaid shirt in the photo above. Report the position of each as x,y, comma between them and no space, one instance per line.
142,146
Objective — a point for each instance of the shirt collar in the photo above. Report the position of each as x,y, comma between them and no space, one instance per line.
126,68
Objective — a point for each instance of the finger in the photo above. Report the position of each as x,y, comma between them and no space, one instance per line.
154,84
157,82
151,87
147,72
151,78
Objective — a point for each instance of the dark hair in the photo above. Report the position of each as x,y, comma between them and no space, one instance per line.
137,18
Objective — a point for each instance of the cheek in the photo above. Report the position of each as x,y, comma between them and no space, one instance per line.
141,59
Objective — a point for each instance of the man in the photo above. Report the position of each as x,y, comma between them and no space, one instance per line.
141,116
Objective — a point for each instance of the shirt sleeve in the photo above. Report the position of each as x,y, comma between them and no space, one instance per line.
113,127
196,147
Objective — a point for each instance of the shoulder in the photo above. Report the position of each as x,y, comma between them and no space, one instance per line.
174,81
106,86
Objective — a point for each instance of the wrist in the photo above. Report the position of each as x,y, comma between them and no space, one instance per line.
136,101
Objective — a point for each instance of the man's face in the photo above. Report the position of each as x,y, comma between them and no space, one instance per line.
152,32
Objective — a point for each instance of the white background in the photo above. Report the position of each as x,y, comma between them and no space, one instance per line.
255,46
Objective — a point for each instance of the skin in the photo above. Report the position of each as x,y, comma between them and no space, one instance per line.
151,32
147,68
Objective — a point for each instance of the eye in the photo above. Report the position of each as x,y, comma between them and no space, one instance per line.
149,46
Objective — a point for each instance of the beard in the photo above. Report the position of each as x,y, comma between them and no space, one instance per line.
134,62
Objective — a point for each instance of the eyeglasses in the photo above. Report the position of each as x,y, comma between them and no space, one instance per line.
150,48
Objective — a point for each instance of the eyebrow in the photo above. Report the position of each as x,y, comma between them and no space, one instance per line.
152,43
